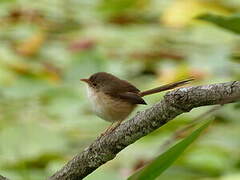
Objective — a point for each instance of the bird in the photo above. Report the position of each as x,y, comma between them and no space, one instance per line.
113,99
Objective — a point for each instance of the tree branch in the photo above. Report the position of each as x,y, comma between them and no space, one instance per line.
174,103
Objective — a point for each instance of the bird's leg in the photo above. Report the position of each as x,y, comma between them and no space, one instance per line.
106,130
116,125
111,128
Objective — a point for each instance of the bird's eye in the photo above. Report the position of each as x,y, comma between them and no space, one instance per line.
94,84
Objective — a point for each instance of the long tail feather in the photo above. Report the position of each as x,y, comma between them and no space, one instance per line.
165,87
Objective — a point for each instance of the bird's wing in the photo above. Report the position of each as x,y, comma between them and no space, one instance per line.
125,91
132,98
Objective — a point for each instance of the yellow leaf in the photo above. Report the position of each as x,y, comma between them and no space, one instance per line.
31,46
182,12
181,72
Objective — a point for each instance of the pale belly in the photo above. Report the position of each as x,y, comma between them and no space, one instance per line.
109,109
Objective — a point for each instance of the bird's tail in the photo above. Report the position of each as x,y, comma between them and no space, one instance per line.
165,87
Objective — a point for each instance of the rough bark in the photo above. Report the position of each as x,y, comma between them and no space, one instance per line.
174,103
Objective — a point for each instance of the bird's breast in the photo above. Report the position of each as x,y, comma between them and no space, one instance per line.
109,108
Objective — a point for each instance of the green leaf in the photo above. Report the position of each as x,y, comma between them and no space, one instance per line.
163,161
231,23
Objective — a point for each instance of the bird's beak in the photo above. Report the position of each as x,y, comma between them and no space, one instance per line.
85,80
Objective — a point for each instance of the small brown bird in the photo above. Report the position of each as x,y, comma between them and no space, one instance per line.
114,99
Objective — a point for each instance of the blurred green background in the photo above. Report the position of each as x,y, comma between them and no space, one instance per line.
46,46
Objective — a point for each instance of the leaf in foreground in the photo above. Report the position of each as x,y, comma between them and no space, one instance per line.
231,23
163,161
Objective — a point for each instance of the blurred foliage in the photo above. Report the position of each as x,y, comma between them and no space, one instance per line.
157,166
46,46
